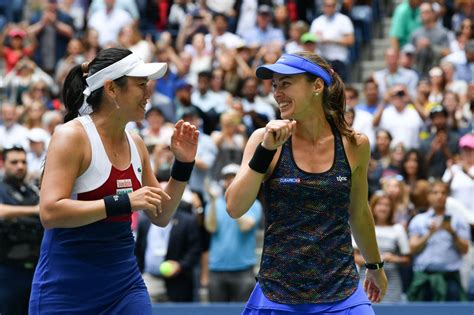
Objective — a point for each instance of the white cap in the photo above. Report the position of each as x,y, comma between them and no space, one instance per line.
230,169
131,66
38,135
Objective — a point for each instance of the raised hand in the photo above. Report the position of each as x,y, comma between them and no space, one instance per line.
184,141
149,199
277,132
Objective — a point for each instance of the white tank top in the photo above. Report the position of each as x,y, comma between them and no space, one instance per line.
100,167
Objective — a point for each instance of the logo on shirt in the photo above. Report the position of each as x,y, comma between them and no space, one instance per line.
290,180
341,179
122,183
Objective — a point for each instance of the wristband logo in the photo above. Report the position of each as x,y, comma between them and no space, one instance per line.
290,180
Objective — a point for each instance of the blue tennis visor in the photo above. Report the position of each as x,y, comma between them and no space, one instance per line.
292,64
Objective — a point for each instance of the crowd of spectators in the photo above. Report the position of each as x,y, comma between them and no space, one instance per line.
417,111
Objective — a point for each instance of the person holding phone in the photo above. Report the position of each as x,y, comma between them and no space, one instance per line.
438,240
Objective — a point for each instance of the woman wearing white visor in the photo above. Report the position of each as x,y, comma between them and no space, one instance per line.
96,174
314,173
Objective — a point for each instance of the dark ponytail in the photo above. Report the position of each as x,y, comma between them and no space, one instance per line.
75,82
334,100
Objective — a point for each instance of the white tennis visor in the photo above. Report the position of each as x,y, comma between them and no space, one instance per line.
131,66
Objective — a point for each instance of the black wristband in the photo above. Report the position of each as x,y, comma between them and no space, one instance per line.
117,205
181,170
375,266
261,159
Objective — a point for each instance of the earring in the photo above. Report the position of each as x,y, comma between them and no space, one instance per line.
316,93
116,104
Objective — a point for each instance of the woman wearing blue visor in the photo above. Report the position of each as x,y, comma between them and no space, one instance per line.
314,172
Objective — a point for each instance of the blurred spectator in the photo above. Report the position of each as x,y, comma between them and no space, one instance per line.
20,79
393,74
407,57
402,121
457,119
460,176
441,145
108,21
456,86
438,85
198,21
156,131
464,62
381,151
11,132
392,240
129,37
50,120
438,239
297,29
177,245
263,32
74,56
205,156
405,20
15,45
39,140
33,114
419,196
431,40
183,103
53,28
463,35
39,92
413,168
129,6
230,141
233,245
255,111
201,58
335,34
422,101
371,96
464,11
395,187
179,10
281,19
219,36
20,233
91,43
362,120
75,9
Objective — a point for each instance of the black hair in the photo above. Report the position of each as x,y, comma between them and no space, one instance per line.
334,100
6,151
421,172
75,82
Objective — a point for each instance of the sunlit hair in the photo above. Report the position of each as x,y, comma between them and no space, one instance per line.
334,100
374,200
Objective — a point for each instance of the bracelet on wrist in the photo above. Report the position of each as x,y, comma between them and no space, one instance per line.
117,205
261,159
374,266
181,171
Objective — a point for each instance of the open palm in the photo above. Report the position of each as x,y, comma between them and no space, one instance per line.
184,141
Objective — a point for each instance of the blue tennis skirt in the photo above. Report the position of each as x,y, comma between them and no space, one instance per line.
356,304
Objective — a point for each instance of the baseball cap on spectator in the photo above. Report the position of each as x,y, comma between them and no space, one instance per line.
230,169
308,38
264,9
438,109
467,141
183,85
409,49
38,135
16,32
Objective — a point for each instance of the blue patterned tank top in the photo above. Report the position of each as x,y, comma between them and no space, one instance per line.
307,253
